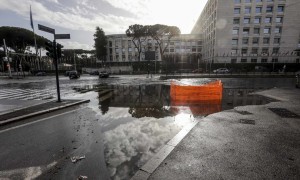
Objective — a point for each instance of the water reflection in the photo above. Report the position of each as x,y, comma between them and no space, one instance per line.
138,120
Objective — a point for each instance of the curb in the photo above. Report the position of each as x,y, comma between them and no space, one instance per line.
42,112
153,163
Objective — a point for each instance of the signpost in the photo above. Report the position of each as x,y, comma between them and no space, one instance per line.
56,36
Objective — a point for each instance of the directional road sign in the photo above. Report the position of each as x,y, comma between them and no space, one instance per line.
62,36
46,29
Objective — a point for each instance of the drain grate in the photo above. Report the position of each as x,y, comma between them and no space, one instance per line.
284,113
243,112
247,121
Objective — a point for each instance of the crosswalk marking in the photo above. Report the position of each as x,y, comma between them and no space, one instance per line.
27,94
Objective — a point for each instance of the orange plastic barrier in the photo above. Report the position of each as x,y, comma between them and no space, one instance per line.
206,92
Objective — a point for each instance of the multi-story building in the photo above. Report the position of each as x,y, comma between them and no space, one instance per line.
121,49
250,31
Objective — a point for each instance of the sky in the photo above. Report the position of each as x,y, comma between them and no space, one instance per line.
80,17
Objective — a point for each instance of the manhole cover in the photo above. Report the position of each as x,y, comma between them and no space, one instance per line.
244,112
284,113
247,121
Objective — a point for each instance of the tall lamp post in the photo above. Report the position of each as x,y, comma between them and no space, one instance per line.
56,49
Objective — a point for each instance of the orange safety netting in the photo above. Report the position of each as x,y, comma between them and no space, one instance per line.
202,100
206,92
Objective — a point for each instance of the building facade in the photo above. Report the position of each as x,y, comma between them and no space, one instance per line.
250,31
121,49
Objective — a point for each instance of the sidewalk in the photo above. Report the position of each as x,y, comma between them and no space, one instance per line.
15,110
249,142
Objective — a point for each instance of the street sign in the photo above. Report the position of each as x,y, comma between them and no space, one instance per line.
46,29
62,36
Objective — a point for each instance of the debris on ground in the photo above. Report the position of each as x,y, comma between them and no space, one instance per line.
74,159
82,177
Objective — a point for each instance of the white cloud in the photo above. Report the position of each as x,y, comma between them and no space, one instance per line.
141,137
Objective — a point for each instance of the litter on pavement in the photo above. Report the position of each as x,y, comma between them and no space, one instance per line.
82,177
74,159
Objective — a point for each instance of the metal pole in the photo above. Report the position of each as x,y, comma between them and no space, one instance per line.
74,62
56,70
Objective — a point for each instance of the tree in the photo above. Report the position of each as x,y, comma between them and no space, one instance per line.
20,39
162,34
138,34
100,43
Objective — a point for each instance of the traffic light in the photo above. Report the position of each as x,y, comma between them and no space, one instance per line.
50,47
59,51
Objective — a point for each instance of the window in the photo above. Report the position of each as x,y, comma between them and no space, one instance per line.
256,31
234,51
255,40
235,31
253,60
276,40
233,61
278,30
264,51
269,0
266,40
243,60
275,51
245,40
280,9
234,42
264,60
257,20
269,9
237,1
247,10
244,51
254,51
247,1
258,1
279,19
268,20
275,60
237,10
267,30
236,21
246,20
258,9
246,31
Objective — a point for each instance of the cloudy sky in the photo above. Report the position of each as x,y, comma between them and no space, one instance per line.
80,17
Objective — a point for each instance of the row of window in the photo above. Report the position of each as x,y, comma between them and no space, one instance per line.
255,51
257,30
254,60
250,1
258,20
269,9
255,41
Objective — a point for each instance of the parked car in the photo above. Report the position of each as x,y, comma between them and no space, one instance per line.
41,74
221,70
74,75
67,73
103,75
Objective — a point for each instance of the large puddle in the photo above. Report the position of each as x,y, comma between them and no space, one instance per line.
137,120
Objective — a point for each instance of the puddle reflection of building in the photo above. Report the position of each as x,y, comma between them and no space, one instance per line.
240,97
142,100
